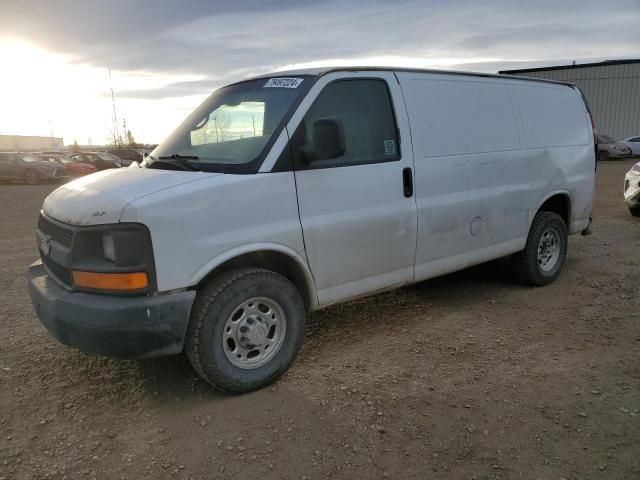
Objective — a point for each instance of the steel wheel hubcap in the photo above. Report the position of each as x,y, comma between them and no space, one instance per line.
254,332
548,250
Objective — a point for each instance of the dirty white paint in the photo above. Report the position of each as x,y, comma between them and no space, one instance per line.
485,153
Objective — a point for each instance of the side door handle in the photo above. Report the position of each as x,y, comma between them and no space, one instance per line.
407,181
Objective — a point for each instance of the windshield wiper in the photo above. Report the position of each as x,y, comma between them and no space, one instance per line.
177,156
182,160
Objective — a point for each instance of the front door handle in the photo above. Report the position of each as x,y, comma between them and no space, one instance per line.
407,181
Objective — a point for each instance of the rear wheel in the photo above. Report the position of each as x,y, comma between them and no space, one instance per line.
635,211
245,331
30,177
603,155
543,256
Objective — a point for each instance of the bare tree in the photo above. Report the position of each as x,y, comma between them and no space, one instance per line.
115,139
222,121
131,142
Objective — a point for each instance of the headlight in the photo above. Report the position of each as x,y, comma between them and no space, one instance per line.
108,247
113,258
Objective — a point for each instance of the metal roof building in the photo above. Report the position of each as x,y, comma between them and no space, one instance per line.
612,89
24,142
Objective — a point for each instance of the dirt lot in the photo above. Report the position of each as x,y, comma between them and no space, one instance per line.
466,376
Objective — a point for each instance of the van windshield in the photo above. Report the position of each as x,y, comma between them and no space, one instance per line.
231,130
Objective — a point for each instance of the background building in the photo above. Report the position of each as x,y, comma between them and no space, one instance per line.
612,89
25,143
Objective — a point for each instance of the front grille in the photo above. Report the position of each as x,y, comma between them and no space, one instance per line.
61,273
58,233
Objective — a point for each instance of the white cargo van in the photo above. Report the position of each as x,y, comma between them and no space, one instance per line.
293,191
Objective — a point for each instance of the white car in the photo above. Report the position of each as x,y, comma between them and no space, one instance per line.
632,190
633,143
609,149
294,191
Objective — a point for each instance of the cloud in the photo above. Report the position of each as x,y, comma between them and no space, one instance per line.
224,41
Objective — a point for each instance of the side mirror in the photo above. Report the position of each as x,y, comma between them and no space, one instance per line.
328,139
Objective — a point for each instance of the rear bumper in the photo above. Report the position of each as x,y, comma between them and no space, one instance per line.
116,326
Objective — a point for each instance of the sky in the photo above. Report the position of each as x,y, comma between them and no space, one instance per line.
166,56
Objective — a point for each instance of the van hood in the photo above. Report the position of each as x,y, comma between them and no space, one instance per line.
101,197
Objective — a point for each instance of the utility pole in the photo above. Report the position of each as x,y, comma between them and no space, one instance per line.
125,138
115,117
51,133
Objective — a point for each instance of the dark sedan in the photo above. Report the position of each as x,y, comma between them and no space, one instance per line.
100,160
129,155
29,168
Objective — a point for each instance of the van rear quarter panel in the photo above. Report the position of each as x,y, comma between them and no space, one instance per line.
195,227
555,123
488,152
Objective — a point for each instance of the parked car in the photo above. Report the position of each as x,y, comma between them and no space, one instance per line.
100,160
129,154
219,244
73,166
632,190
633,143
29,168
608,148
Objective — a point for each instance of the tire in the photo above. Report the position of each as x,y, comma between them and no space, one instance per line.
31,177
603,155
635,211
231,302
534,267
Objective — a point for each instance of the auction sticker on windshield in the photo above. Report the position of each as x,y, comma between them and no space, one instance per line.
283,83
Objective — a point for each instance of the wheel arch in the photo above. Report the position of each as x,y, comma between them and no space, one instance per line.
275,257
558,202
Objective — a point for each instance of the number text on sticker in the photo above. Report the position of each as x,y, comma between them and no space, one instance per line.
283,83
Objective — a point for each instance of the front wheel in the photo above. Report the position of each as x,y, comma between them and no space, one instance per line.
245,330
635,211
544,253
603,155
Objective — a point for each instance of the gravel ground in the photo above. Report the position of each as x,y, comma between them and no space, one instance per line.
466,376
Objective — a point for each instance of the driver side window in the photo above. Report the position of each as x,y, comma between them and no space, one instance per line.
363,112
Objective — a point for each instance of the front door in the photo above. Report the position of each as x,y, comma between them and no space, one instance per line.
357,210
9,169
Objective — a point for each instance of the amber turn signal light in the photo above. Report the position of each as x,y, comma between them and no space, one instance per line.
111,281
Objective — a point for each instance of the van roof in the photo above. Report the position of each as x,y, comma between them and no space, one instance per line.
325,70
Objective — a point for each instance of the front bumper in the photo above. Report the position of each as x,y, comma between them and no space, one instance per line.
55,175
116,326
620,154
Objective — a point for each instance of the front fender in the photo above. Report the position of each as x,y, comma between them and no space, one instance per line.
298,257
